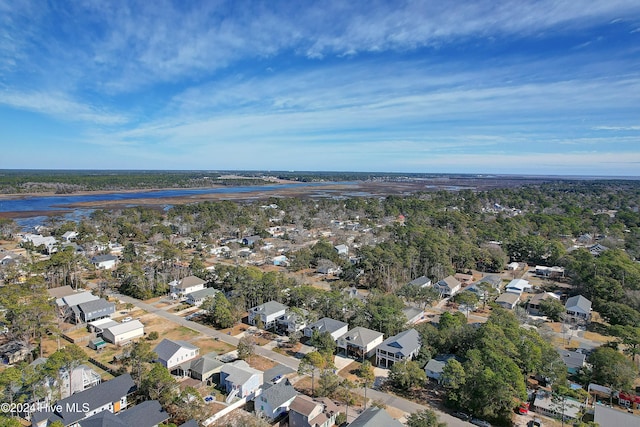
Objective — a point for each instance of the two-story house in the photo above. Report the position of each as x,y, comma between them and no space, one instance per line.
267,313
275,400
449,286
307,412
171,354
360,342
240,379
403,346
335,327
578,309
180,288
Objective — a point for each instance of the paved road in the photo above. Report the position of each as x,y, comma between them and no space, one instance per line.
388,399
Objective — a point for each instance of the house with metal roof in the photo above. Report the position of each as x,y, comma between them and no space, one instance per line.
517,286
335,327
403,346
611,417
268,313
275,399
93,310
360,342
375,417
123,333
422,282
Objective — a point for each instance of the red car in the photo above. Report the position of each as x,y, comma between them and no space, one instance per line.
523,409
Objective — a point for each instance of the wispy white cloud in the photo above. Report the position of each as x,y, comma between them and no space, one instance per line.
617,128
61,106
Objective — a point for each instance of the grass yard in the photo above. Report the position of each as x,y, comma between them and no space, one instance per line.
261,363
207,345
180,333
349,371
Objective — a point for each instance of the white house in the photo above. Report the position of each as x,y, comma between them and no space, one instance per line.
518,286
173,353
335,327
360,342
122,333
186,286
449,286
197,298
69,236
104,262
508,300
268,313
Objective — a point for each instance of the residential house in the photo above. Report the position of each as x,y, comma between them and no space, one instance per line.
275,400
99,325
197,298
574,360
82,378
508,300
578,309
250,240
205,368
568,409
171,354
267,313
240,379
533,306
48,243
605,416
180,288
104,262
60,292
435,367
92,310
413,315
107,396
70,236
66,303
307,412
375,417
400,347
335,327
492,280
145,414
597,249
518,286
292,321
549,272
13,352
449,286
513,266
97,343
360,342
342,249
123,333
422,281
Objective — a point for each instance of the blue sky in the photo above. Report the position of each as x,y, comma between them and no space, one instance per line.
532,87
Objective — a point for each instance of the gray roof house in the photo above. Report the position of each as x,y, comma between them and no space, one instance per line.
404,346
578,308
186,286
268,313
422,281
413,315
240,379
171,354
205,367
494,280
335,327
360,342
93,310
610,417
107,396
375,417
435,366
574,360
197,298
307,412
275,399
145,414
104,262
508,300
448,286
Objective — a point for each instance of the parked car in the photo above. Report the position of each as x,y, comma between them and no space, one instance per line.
479,422
127,319
523,409
461,415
